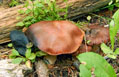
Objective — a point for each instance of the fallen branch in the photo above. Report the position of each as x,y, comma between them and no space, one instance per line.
76,9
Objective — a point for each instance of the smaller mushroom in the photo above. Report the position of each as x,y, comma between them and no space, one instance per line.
19,41
83,48
55,37
97,35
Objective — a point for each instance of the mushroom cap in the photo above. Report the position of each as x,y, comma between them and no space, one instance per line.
19,41
98,35
55,37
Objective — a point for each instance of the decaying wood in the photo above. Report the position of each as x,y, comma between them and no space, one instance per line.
76,9
8,22
8,69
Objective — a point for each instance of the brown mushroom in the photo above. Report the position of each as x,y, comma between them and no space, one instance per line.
98,34
83,48
55,37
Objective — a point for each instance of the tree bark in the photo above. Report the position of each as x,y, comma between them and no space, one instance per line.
76,9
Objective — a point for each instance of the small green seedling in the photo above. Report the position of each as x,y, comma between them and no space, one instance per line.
29,55
14,3
40,11
10,45
111,5
114,27
109,52
88,41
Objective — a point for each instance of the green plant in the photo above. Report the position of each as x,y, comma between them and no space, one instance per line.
10,45
114,27
112,4
94,65
109,52
41,10
13,3
29,56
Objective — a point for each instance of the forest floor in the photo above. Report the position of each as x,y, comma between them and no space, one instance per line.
65,64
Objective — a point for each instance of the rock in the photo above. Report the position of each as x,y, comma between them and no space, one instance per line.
41,68
8,69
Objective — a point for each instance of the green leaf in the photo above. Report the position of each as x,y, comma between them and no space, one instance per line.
88,41
26,3
29,45
49,18
39,5
114,27
113,56
65,0
33,20
117,0
27,24
24,59
101,67
15,52
39,18
18,17
28,18
28,52
12,56
112,34
40,53
13,3
21,11
33,56
110,2
10,45
28,11
106,49
84,72
117,4
116,17
112,23
20,24
17,61
117,51
36,13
